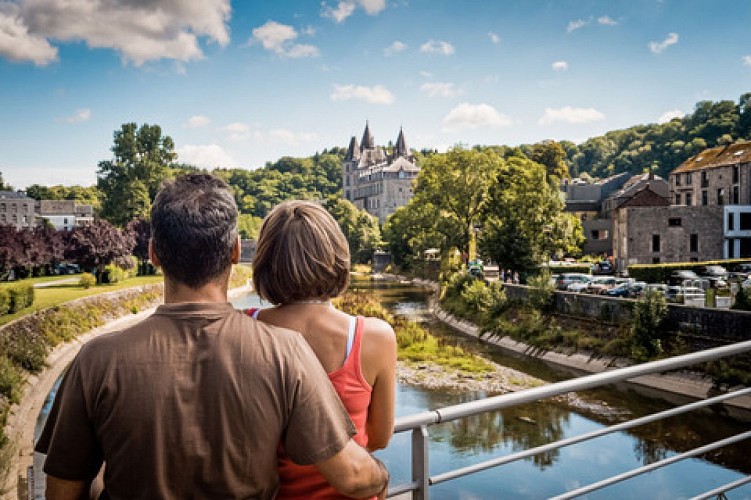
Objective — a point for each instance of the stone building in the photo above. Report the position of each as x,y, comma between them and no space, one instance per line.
376,180
16,209
64,214
720,177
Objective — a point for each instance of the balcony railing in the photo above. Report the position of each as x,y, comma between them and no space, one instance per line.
419,424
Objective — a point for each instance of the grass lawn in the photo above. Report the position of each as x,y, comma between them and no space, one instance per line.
41,279
57,294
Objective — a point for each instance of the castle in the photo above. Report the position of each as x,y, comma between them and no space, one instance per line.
376,180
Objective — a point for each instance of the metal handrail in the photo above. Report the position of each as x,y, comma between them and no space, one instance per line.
419,423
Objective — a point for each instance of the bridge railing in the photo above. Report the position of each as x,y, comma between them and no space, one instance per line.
419,424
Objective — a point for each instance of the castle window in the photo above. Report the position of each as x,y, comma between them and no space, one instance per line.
688,179
689,199
674,222
693,243
655,242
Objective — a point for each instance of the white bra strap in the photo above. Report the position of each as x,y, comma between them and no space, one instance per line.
350,334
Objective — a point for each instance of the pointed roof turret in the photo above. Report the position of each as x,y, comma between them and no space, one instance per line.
353,151
367,139
401,148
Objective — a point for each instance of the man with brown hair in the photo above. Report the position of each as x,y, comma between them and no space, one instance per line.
194,401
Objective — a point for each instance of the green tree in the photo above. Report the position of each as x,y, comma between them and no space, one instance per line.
411,230
552,155
248,226
3,185
524,223
143,158
453,188
359,227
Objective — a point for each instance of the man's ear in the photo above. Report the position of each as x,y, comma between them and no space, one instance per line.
152,254
236,251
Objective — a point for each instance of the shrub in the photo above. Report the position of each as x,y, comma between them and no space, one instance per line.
541,294
25,348
11,380
742,299
87,280
21,297
648,325
115,274
4,301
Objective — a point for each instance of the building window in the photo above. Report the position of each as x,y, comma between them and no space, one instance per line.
736,195
688,179
655,242
600,234
583,217
736,174
674,222
693,243
655,260
704,198
689,199
721,196
678,180
731,221
678,199
704,179
731,249
745,221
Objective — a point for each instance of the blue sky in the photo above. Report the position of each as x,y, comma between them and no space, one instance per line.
239,83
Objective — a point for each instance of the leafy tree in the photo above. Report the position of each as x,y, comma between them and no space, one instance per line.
454,187
98,244
359,227
140,230
143,158
249,225
648,325
552,156
524,223
82,195
3,185
10,249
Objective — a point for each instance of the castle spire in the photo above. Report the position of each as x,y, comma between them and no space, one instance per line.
353,151
367,138
401,148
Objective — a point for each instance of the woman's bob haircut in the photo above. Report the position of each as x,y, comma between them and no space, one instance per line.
301,254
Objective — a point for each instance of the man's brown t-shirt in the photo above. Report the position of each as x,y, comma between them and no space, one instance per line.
192,402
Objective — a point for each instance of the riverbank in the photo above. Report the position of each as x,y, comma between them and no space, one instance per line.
676,388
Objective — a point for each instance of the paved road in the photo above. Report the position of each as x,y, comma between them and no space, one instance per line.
56,282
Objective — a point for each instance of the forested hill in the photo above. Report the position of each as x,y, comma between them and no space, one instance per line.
662,147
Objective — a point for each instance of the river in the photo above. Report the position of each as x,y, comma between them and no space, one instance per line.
471,440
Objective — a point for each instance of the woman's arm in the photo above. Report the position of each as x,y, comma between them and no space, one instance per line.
378,359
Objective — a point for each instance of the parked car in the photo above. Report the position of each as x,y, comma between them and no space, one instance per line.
635,289
717,275
600,284
578,287
678,277
621,290
656,287
566,279
603,267
678,294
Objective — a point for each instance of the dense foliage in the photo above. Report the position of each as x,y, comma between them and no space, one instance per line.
82,195
662,147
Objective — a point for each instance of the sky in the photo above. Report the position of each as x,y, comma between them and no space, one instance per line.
240,83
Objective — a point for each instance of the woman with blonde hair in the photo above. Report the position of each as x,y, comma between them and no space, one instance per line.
301,262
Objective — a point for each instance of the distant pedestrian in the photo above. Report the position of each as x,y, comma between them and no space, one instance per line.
516,278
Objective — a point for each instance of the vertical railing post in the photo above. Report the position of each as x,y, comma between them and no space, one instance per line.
420,463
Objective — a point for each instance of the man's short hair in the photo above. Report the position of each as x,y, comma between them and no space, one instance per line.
301,254
194,228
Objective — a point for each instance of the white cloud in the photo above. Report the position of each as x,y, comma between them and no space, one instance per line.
467,115
291,138
494,37
197,121
239,131
205,156
669,115
81,115
746,60
346,8
568,114
394,48
426,74
657,47
440,89
607,21
437,47
374,95
17,44
560,66
140,31
279,39
575,25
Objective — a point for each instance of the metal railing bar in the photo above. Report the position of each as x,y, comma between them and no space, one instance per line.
578,384
722,489
446,476
655,465
589,381
402,488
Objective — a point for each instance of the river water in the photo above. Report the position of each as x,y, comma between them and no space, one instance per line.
471,440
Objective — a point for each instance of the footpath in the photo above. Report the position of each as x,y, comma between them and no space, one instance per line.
676,388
